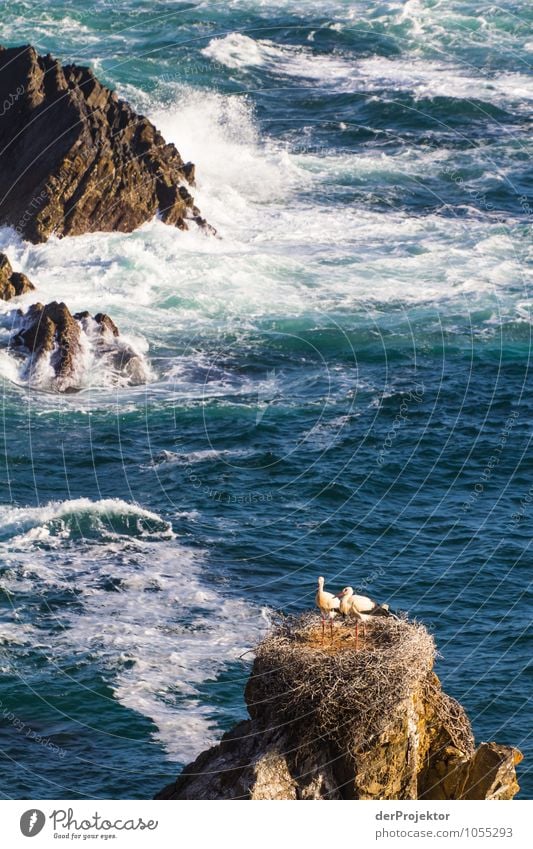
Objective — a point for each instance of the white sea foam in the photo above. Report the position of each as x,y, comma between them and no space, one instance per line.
239,51
144,611
281,253
428,79
22,524
174,458
423,77
103,360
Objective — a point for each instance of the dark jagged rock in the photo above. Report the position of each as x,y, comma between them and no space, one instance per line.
315,734
51,331
107,346
12,283
106,323
77,159
103,321
61,347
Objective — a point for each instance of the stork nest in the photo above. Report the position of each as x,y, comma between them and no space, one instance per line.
328,689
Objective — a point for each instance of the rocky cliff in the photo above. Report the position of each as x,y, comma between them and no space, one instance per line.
74,158
329,722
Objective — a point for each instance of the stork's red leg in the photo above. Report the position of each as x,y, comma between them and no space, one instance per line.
331,629
323,628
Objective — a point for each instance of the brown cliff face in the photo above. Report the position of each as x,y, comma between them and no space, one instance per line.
76,159
314,734
12,283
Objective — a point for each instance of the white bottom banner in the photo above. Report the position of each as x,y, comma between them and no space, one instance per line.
255,825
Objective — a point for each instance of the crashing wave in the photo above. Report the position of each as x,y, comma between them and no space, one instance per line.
61,351
144,610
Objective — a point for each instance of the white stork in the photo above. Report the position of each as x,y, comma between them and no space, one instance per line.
362,607
328,604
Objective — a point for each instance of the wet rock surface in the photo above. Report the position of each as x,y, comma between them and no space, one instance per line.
61,349
50,333
76,159
12,283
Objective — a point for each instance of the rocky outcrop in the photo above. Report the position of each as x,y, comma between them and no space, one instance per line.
77,159
61,349
51,336
326,724
489,774
12,283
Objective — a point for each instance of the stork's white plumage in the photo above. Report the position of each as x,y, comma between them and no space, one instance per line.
328,604
362,607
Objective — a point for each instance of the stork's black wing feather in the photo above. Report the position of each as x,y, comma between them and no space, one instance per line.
382,610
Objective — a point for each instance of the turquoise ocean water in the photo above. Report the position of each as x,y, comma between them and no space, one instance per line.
340,385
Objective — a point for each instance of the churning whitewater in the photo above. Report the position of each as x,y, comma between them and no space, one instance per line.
323,384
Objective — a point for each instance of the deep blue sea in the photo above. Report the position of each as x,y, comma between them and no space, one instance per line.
340,384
